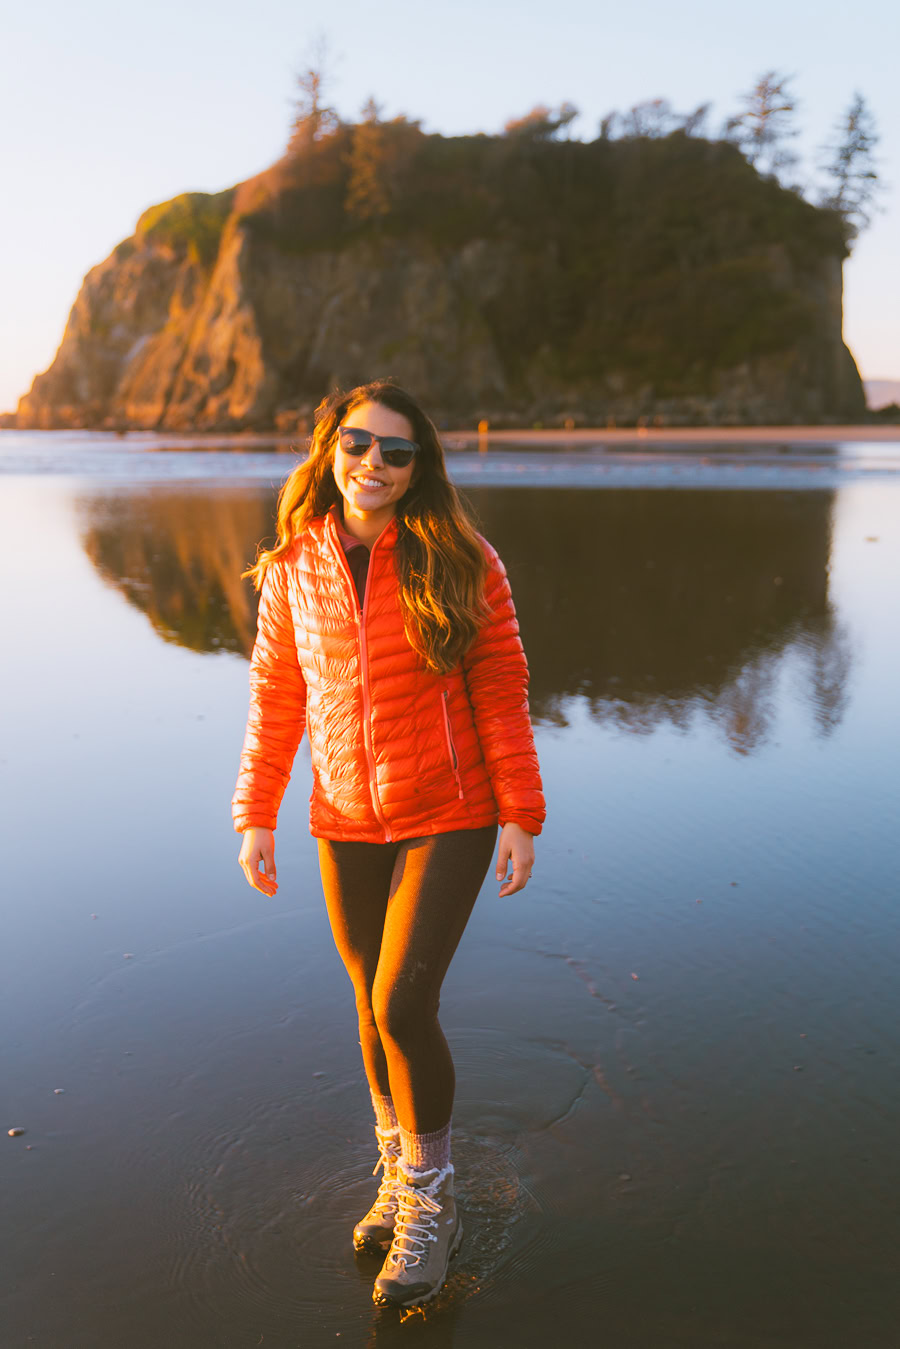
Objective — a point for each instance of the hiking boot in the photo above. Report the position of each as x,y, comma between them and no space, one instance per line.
427,1234
374,1231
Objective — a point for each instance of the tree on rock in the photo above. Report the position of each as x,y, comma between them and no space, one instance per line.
653,117
542,123
313,118
367,190
850,165
764,126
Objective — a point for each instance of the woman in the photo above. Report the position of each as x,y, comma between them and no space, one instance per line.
386,628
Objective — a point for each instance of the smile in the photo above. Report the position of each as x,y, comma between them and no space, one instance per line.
368,482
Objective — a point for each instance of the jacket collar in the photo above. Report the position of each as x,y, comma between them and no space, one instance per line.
332,524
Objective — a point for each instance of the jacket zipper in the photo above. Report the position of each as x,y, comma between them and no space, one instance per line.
450,745
364,670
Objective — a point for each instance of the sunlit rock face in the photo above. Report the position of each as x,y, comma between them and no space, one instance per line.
631,282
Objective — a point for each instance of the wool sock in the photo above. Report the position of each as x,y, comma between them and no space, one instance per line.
385,1115
424,1151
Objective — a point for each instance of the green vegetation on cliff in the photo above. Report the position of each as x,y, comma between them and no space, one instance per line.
665,259
192,221
520,277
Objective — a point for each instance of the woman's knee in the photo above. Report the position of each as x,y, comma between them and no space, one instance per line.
403,1009
364,1009
362,992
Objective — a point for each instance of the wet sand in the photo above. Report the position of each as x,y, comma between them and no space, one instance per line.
692,435
676,1050
552,436
550,459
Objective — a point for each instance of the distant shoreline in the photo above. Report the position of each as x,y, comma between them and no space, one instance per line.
551,436
685,435
763,458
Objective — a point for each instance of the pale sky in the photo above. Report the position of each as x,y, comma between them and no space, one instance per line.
108,108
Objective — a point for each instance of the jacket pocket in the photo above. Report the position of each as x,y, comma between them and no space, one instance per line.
451,748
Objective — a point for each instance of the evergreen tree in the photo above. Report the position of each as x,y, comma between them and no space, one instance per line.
765,124
313,118
850,165
694,123
367,189
541,123
653,117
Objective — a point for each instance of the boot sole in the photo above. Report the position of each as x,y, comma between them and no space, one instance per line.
384,1300
370,1246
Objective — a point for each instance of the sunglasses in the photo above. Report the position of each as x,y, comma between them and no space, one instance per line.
394,449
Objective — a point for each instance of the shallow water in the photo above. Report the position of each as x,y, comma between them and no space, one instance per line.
676,1050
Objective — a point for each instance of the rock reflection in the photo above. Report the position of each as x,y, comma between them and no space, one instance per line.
653,606
648,606
177,555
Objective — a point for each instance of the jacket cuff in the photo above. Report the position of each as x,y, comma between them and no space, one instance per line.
242,822
529,823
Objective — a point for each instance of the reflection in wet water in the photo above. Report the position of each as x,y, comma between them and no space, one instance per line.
647,607
178,557
675,1121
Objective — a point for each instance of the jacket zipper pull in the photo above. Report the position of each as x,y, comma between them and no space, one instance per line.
454,757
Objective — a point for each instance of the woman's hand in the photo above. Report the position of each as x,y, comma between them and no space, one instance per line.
259,846
518,844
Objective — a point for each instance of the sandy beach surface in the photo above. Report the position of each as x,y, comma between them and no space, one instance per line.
690,435
761,458
677,1098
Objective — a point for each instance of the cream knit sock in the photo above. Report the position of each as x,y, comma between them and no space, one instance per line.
424,1151
385,1115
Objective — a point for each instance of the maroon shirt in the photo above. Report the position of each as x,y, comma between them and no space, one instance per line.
357,558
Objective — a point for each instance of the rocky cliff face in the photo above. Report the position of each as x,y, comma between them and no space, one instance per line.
238,331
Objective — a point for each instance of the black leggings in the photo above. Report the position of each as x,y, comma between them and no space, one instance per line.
397,912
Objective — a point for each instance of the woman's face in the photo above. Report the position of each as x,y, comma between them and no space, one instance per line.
369,486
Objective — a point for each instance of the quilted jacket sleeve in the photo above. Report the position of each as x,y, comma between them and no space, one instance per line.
497,679
277,710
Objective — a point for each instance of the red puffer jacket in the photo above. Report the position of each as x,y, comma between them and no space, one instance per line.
397,751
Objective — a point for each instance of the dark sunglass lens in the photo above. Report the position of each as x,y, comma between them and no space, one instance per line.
354,441
395,450
398,451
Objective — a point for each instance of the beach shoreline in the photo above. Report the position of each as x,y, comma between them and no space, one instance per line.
687,435
542,436
769,457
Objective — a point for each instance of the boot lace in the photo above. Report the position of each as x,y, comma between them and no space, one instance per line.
415,1224
388,1155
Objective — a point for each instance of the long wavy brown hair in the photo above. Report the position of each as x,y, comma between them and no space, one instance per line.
441,566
